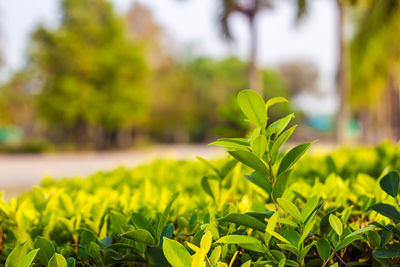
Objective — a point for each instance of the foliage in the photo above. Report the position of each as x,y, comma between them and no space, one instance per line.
374,67
134,217
98,80
93,76
28,145
204,87
16,104
372,63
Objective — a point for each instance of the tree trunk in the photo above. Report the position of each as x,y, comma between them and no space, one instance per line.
81,133
393,106
343,114
254,77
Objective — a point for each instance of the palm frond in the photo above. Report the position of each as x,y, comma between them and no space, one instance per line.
302,8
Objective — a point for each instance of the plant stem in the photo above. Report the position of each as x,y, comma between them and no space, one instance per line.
340,259
272,179
271,173
208,260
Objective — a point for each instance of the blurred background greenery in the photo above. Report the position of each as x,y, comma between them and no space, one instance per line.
103,78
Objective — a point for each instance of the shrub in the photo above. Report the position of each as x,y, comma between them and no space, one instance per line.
270,218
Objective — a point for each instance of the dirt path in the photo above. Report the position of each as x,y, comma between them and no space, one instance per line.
19,172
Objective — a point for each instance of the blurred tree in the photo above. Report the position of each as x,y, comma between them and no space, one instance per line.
375,65
249,9
186,94
342,79
93,76
301,76
16,103
189,94
142,26
1,54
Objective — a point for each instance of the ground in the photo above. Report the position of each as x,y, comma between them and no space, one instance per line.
19,173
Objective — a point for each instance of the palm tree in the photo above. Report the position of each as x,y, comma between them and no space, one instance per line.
342,82
249,9
375,63
342,79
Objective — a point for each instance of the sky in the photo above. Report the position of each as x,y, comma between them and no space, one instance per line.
192,23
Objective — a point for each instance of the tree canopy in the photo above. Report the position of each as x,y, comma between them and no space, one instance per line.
91,74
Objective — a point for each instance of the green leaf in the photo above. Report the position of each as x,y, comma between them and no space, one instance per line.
212,229
336,224
176,254
210,185
273,220
228,166
275,100
253,107
71,262
346,214
261,216
94,252
117,246
142,223
215,255
167,231
245,241
308,208
280,184
307,229
291,263
381,226
230,144
260,180
259,145
28,258
279,142
314,211
386,253
305,250
287,247
290,208
236,140
390,183
292,156
209,164
386,210
287,221
245,220
141,236
205,242
347,241
292,236
16,255
46,249
278,126
164,216
250,160
277,255
362,230
57,260
323,248
374,238
278,236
